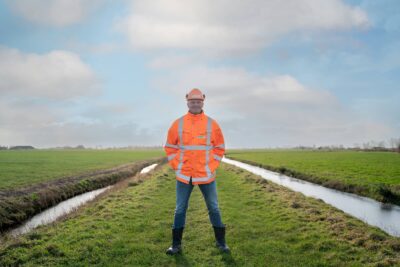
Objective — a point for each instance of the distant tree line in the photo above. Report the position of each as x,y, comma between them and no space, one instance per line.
83,147
71,147
15,147
393,144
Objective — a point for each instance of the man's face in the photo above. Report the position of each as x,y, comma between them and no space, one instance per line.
195,105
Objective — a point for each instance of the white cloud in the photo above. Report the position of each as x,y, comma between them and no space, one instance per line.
17,114
51,99
54,99
57,74
224,84
269,110
54,12
58,123
232,26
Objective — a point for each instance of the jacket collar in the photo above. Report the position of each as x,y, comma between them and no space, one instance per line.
199,116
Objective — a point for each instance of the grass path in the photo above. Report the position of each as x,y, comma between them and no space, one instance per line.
267,225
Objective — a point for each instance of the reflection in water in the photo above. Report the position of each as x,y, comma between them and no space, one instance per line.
51,214
148,168
384,216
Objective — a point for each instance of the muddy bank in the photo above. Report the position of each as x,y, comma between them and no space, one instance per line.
382,193
18,205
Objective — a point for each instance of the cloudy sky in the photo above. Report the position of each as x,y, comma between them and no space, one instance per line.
275,73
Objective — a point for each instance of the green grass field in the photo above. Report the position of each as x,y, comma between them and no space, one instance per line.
267,225
358,172
26,167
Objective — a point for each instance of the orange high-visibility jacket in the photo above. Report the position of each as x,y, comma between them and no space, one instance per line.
195,147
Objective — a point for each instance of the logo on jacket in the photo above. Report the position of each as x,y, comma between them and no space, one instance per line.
201,136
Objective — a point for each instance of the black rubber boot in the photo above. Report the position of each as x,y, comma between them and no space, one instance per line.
220,239
176,241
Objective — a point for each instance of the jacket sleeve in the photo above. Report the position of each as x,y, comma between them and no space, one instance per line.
171,146
218,143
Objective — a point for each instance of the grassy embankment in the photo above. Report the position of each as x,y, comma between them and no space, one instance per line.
371,174
31,181
267,225
25,167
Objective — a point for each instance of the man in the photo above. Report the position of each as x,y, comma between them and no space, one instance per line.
195,147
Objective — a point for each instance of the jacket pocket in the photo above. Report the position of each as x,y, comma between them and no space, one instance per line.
214,163
174,161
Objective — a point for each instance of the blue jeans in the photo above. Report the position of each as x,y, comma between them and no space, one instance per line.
209,192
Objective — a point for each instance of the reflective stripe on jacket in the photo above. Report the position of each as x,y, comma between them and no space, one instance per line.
195,147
